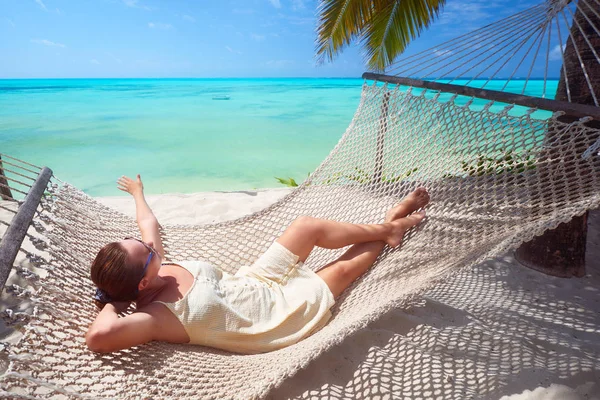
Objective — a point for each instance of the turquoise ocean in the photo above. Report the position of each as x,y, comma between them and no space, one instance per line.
181,135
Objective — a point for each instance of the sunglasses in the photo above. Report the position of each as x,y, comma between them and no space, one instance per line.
151,254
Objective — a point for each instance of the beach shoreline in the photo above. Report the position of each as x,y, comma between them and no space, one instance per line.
202,207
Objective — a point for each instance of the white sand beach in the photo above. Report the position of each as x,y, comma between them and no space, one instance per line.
498,331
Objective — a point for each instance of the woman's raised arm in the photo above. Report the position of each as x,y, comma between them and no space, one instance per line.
147,222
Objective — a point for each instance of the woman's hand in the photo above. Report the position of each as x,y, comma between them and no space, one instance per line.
147,222
130,186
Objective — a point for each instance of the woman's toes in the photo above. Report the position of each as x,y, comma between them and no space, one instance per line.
420,197
414,219
411,203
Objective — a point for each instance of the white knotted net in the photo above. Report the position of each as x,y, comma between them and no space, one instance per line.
497,177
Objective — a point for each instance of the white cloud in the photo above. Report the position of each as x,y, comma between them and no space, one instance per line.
59,12
159,25
94,61
556,53
10,21
459,12
135,4
298,5
47,42
118,60
275,3
233,51
42,5
189,18
258,38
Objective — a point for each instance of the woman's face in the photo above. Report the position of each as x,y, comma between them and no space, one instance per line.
143,253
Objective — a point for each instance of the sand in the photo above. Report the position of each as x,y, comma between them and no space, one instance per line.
497,331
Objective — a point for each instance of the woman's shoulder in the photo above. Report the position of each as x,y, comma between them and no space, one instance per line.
186,263
198,268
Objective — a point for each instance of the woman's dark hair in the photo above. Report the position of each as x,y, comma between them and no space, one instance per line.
115,275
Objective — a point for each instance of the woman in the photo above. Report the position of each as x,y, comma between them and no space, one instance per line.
273,303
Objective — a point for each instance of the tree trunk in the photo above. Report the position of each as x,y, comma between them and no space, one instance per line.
5,193
561,252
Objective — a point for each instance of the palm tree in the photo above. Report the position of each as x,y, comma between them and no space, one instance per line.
561,251
386,27
5,192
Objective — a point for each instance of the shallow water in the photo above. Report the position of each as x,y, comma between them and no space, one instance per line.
179,134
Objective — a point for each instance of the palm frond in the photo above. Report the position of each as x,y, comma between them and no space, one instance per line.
394,26
340,21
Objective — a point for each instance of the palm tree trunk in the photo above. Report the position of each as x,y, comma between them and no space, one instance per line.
5,193
561,252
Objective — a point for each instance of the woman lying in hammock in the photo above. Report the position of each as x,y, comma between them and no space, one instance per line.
272,304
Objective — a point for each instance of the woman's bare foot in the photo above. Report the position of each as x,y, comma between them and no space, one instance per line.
411,203
401,225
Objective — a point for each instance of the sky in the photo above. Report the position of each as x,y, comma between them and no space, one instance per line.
203,38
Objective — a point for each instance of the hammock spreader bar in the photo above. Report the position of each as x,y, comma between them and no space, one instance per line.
16,231
571,109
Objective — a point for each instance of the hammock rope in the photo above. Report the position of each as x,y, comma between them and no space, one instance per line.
498,175
491,48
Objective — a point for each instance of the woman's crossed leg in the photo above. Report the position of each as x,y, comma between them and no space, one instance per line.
368,240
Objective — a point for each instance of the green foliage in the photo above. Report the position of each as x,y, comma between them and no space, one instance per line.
507,162
393,26
333,178
287,182
383,27
400,177
360,176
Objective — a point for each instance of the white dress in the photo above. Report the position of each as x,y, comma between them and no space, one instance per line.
272,304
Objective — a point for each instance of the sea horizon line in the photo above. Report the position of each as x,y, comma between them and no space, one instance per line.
265,77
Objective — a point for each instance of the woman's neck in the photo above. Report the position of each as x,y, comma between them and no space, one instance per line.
148,295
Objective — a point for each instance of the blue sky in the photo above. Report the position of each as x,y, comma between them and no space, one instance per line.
204,38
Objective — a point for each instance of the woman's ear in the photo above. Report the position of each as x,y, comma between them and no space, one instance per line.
143,284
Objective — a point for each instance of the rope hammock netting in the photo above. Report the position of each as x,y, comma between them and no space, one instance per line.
498,175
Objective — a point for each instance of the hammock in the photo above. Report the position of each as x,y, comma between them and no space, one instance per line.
498,175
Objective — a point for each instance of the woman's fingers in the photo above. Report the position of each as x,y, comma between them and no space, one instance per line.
123,183
129,185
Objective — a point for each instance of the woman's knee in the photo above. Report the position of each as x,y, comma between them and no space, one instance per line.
305,223
337,276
